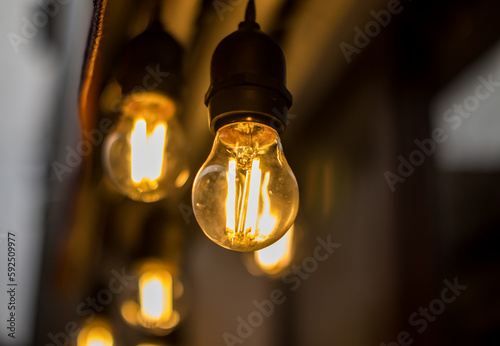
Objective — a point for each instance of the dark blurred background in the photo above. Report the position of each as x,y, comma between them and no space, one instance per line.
394,138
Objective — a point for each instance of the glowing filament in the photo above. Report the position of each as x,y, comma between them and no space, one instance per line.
95,335
147,151
267,221
155,294
231,196
277,256
253,198
242,204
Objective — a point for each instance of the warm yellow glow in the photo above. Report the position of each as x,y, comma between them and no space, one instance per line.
147,151
231,196
153,307
138,143
182,178
155,295
277,256
243,203
267,221
253,198
96,334
156,146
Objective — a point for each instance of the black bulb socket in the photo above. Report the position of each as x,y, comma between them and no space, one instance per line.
248,80
152,61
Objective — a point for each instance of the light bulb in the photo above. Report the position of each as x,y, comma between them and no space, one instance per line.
144,156
154,307
245,196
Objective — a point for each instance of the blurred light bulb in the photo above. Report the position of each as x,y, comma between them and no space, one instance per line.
98,333
144,156
276,257
153,307
245,196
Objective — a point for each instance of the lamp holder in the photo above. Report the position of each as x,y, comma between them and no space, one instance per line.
152,61
248,79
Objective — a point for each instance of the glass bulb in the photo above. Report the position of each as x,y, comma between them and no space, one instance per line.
245,196
144,156
153,304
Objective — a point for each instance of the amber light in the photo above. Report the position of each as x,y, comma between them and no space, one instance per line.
98,333
153,308
155,296
276,257
144,157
